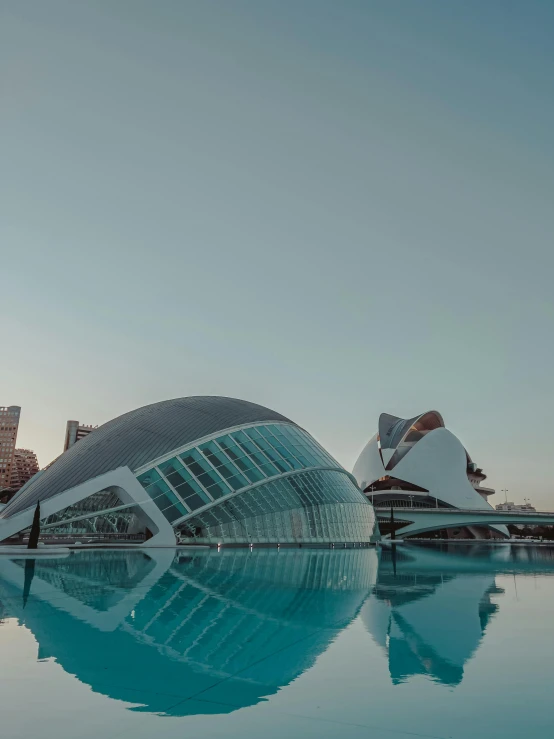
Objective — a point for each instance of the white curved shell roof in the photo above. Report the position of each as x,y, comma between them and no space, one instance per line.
435,461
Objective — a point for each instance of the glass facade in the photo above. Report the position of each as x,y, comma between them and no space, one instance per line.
269,483
233,461
315,506
125,521
101,501
95,515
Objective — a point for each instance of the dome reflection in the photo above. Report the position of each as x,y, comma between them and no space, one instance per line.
147,628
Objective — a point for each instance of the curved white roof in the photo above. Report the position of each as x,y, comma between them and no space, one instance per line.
422,452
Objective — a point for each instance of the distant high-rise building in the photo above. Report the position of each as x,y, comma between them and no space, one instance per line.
25,466
75,431
9,423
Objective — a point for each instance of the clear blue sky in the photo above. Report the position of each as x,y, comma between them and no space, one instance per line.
331,208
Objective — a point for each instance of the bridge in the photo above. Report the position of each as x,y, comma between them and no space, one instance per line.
410,521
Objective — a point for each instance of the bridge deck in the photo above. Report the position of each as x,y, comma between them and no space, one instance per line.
420,520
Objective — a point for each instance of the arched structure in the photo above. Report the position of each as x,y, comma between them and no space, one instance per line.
204,470
417,462
419,521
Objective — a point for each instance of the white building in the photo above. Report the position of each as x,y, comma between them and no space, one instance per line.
509,506
418,463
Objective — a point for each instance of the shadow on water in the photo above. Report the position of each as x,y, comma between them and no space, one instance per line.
177,633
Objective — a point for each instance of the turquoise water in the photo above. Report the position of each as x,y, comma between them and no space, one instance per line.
420,642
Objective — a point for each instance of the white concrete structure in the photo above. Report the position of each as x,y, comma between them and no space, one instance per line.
462,523
510,506
418,463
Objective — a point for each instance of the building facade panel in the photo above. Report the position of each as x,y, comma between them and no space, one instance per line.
198,476
313,506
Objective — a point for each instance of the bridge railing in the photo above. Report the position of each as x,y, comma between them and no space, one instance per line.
453,511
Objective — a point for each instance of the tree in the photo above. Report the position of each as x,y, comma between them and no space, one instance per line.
35,529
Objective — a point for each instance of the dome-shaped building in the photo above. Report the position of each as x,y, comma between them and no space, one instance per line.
201,469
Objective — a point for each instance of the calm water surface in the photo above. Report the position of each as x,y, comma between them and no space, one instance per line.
455,642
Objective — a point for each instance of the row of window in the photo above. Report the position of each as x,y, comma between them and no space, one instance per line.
318,505
305,490
229,463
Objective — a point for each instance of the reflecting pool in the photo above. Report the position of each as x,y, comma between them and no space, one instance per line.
397,642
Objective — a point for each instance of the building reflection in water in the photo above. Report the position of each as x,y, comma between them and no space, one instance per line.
429,622
431,605
141,627
130,624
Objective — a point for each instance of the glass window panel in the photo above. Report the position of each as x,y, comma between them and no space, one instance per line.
288,454
261,460
275,429
237,482
224,467
312,459
217,490
228,444
247,467
167,501
175,472
265,431
265,446
194,501
213,453
294,435
157,488
268,469
186,489
285,451
162,495
195,463
244,463
286,443
172,465
172,513
149,477
302,455
203,471
220,515
208,446
208,478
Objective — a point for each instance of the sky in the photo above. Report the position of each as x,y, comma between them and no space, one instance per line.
335,209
